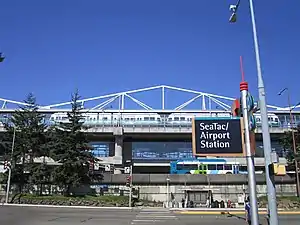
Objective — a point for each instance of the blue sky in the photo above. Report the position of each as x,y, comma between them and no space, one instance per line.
100,47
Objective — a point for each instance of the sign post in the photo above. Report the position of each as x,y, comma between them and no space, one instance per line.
246,108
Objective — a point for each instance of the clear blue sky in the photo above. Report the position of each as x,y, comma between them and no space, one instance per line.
99,47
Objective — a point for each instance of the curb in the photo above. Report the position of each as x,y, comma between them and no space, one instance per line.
232,213
65,206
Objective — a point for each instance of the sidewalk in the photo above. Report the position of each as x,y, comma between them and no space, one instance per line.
228,211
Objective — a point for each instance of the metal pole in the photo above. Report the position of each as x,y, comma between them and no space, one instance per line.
8,185
9,172
249,157
272,204
130,188
294,145
167,192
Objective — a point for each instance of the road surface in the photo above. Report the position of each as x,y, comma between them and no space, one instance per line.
11,215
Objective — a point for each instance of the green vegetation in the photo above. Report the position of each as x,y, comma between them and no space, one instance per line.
279,198
63,200
66,143
287,143
284,202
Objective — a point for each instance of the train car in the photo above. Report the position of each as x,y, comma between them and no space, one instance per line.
273,120
150,119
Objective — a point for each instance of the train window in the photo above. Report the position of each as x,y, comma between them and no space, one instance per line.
104,118
182,118
170,119
269,119
152,118
126,119
158,119
176,118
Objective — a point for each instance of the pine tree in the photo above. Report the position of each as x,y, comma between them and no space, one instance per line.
71,150
27,125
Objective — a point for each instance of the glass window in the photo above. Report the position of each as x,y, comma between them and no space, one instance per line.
100,149
219,167
187,167
166,151
212,167
227,167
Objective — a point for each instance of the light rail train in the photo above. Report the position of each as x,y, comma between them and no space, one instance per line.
151,118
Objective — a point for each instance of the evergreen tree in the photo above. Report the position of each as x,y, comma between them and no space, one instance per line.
287,143
27,129
71,150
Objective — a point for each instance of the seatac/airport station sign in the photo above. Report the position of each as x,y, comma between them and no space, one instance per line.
217,136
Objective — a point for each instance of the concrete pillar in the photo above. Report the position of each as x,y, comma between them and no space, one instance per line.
118,147
118,157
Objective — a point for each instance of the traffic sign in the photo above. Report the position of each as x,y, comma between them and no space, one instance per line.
127,170
107,167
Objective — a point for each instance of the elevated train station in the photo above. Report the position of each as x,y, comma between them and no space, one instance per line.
153,136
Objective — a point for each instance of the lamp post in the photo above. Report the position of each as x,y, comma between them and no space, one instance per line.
168,180
293,137
272,204
1,57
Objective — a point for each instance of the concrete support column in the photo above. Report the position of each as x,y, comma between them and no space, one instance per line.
118,157
118,147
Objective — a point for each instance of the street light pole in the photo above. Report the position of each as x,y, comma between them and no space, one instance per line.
272,204
294,140
9,167
1,57
168,179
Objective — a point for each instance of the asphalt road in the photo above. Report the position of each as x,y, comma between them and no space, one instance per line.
11,215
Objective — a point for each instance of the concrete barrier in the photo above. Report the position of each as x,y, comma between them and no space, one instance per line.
191,179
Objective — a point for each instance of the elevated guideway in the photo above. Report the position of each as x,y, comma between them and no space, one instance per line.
156,129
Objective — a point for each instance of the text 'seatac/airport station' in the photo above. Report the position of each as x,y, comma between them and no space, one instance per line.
200,136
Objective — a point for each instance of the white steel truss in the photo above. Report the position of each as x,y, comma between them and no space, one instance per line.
101,102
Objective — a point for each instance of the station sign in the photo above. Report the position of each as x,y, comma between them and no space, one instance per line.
217,137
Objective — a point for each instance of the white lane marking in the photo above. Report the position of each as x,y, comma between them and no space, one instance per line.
157,216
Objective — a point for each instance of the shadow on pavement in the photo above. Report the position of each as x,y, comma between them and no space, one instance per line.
236,216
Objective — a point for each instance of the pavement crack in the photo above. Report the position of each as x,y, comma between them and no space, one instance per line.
83,221
56,218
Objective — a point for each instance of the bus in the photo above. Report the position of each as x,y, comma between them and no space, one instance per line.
204,166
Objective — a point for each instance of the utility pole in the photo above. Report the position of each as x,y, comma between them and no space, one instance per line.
294,139
130,187
272,203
